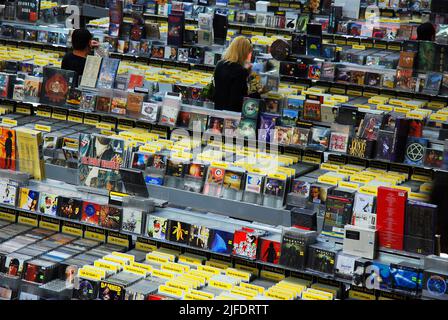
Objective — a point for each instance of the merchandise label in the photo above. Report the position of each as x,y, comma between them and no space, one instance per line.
8,214
27,218
49,224
72,229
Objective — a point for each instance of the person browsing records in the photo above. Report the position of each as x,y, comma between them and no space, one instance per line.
82,44
231,74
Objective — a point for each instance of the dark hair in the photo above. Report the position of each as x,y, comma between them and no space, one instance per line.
426,32
81,39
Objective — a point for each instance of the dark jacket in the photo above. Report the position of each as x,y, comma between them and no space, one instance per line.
230,86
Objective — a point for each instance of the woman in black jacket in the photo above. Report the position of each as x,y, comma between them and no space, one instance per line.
231,75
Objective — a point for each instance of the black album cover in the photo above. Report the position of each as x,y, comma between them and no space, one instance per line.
321,260
176,26
178,231
56,85
293,251
69,208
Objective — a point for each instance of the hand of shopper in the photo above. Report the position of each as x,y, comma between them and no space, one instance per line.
94,43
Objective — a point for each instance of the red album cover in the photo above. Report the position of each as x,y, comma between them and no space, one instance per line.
7,148
135,81
269,251
390,212
245,244
90,212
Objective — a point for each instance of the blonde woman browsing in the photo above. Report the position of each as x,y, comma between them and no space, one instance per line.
231,75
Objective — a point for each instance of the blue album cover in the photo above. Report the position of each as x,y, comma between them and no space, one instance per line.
289,117
267,125
415,151
406,278
220,241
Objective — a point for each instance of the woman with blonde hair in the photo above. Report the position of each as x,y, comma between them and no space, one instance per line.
231,73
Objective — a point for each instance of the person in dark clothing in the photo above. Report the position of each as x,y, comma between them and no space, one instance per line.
82,45
426,32
8,151
231,75
439,198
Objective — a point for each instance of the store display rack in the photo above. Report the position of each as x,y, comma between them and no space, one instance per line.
319,156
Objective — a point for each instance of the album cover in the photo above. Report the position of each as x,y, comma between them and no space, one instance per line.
214,181
158,52
415,150
289,117
251,108
314,71
199,237
433,83
56,85
269,251
90,212
107,152
388,80
170,53
156,227
28,199
132,220
320,137
48,203
247,128
215,125
135,81
220,241
361,148
182,54
372,79
176,25
407,59
31,35
370,126
8,195
312,110
169,114
110,217
134,103
231,127
338,213
328,71
364,203
7,148
293,250
245,244
110,291
426,56
384,145
321,260
150,111
159,162
174,168
108,72
267,125
275,187
69,208
433,158
140,160
338,142
178,231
